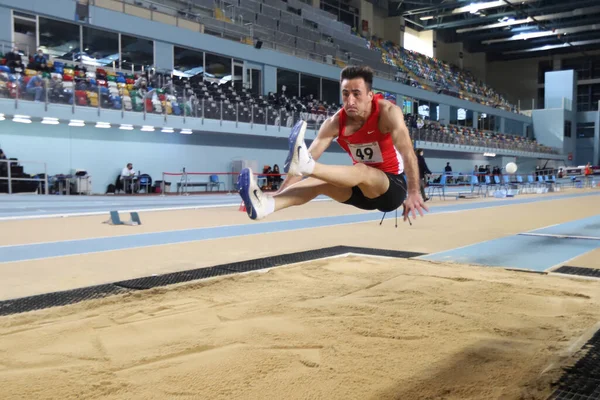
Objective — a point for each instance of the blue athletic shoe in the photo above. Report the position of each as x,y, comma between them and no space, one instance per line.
254,199
298,156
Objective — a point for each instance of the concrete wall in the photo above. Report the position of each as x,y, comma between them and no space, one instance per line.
104,152
516,80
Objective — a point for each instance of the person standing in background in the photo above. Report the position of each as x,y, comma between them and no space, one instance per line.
423,170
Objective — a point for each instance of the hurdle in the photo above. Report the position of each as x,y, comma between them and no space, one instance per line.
116,220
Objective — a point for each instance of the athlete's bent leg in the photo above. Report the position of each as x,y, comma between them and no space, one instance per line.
259,204
372,182
306,190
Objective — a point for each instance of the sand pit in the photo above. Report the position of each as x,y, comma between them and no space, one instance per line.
342,328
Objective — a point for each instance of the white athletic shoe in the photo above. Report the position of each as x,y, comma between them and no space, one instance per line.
299,162
254,198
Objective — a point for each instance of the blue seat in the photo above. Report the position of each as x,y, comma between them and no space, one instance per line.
215,182
439,187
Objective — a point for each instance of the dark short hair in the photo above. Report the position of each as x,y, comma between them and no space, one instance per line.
353,72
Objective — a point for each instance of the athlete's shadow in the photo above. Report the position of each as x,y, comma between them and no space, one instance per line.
488,369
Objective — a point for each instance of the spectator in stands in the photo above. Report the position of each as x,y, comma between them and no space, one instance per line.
14,61
35,87
3,165
40,61
423,171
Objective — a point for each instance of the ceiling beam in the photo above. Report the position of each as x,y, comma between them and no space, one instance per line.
578,12
494,17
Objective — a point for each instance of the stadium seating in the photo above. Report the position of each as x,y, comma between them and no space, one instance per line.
439,76
295,27
432,131
206,98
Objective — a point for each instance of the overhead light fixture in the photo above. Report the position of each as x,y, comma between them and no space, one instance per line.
147,128
186,132
76,122
489,154
102,125
426,18
23,119
168,130
50,121
126,127
2,117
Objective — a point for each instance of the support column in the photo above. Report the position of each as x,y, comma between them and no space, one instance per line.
6,35
597,138
269,80
444,114
164,56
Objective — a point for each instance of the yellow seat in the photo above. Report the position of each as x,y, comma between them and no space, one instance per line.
93,98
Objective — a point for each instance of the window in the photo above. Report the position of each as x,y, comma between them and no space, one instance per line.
100,48
585,129
331,91
567,128
287,81
24,33
59,39
543,67
310,85
218,69
461,115
136,54
238,74
453,116
424,110
187,63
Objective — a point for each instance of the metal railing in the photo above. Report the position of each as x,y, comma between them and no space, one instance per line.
489,142
10,179
189,109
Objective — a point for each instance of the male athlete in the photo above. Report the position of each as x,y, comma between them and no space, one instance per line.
372,131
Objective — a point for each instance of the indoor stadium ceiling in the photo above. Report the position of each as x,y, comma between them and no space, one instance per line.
508,29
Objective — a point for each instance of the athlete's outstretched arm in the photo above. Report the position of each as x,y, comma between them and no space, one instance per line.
327,133
393,121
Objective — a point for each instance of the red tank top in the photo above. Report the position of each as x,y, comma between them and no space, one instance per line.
370,146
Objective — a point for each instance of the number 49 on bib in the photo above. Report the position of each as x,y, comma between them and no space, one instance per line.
366,153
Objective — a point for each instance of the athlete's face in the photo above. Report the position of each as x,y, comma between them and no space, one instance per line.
356,97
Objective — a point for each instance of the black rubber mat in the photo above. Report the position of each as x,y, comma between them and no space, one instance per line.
589,272
150,282
57,299
582,380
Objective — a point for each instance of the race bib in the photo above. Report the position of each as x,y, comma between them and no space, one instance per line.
366,152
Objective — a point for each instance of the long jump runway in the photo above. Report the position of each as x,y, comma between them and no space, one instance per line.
320,301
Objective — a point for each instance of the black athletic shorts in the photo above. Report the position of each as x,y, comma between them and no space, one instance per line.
389,201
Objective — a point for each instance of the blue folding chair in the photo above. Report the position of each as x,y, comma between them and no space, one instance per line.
440,187
475,183
215,182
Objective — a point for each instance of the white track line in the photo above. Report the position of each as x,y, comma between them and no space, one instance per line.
560,236
92,213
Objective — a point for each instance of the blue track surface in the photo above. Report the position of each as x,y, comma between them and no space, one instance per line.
28,206
85,246
581,227
537,253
